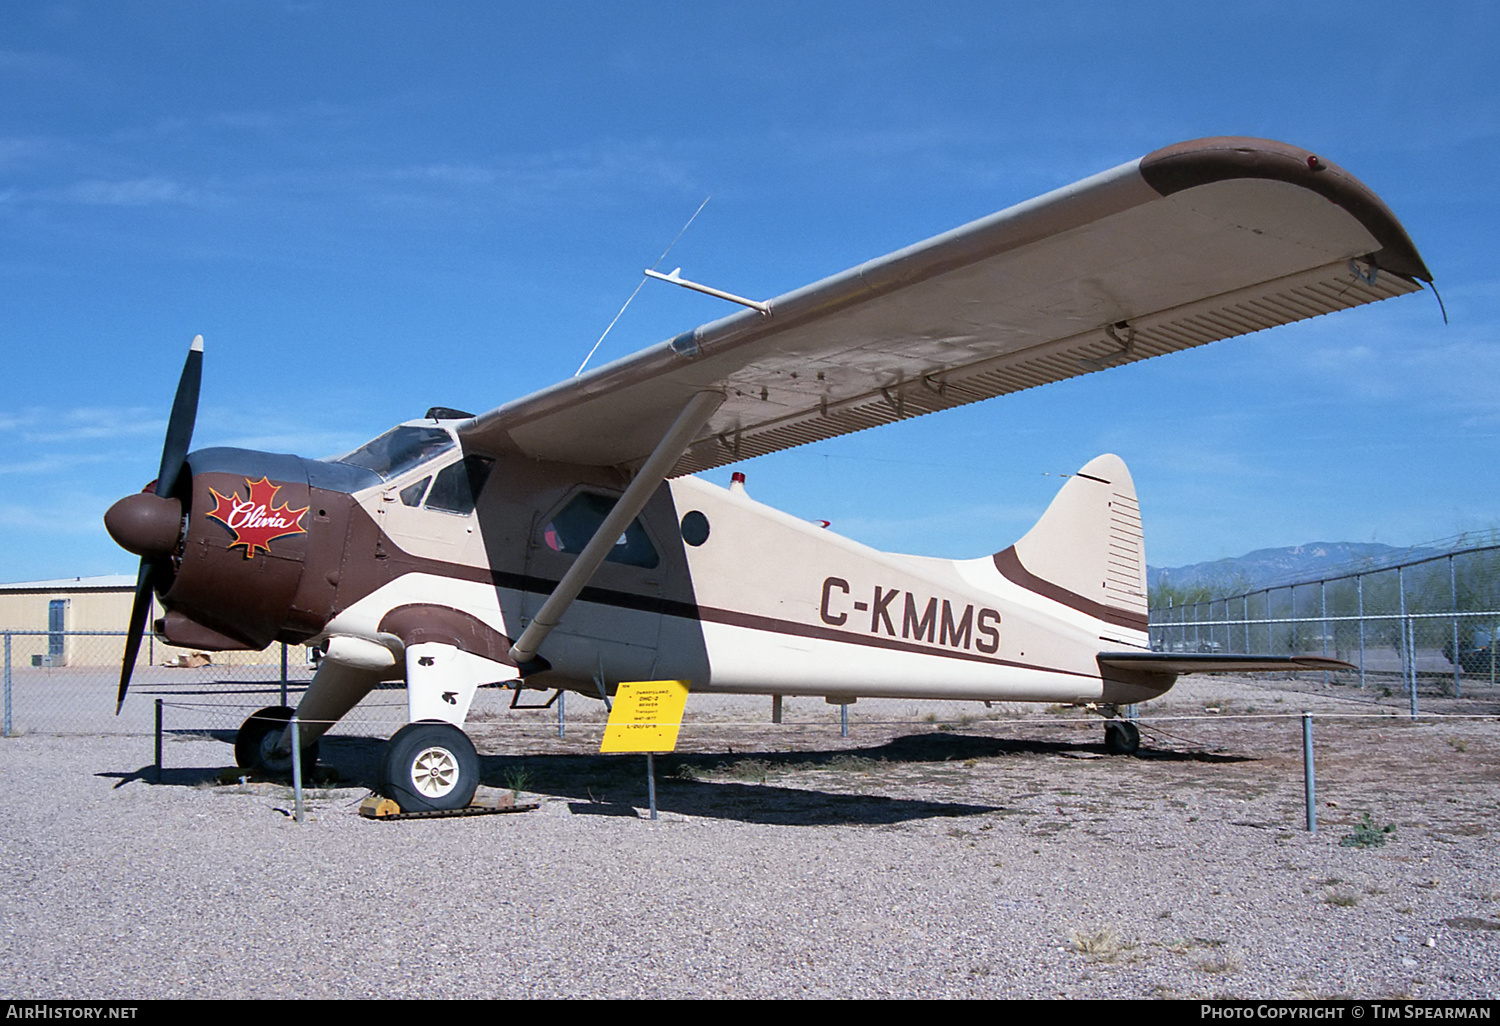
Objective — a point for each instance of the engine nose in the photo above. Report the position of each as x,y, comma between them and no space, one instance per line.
146,524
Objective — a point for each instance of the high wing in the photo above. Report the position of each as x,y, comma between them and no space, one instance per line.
1193,243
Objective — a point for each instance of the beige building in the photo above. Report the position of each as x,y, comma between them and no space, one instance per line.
48,624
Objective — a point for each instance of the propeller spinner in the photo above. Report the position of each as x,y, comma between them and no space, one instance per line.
150,524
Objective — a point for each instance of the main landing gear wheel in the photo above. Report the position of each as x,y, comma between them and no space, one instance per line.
429,767
1121,737
255,744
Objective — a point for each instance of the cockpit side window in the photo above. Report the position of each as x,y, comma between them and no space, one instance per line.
411,495
576,523
399,449
457,486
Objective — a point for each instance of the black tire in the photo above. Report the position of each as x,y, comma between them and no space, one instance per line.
1121,737
254,745
429,767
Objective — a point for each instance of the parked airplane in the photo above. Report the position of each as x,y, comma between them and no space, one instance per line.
560,541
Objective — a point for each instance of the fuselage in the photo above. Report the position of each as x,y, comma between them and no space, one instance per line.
707,585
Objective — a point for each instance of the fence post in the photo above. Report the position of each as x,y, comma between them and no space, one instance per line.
1408,657
1458,691
1294,642
1359,582
1412,636
1323,627
1401,593
283,673
1270,645
7,683
562,717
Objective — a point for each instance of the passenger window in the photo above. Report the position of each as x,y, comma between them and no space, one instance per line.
456,487
572,528
411,495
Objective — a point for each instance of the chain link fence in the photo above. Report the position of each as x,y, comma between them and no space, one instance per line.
1427,626
66,682
1423,626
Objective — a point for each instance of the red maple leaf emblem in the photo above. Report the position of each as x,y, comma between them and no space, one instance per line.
254,520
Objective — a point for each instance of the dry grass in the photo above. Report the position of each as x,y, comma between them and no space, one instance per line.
1100,945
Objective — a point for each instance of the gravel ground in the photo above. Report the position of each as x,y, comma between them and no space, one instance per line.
1000,858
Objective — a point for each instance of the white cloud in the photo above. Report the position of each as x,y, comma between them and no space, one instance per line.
133,193
39,426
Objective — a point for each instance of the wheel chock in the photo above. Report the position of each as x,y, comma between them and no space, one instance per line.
378,807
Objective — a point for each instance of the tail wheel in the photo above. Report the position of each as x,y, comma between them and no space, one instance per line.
1121,737
429,767
255,744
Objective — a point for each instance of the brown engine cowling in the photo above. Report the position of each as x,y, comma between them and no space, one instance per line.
260,559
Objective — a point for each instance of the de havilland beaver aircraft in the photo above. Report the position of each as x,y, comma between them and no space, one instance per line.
560,542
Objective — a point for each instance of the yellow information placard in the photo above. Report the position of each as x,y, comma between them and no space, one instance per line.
646,716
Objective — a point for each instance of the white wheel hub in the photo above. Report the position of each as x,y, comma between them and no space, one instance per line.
434,772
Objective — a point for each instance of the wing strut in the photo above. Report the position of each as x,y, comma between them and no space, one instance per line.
652,473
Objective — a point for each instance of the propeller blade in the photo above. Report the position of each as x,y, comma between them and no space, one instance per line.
173,458
180,425
138,611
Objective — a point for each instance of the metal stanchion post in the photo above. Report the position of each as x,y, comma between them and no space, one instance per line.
651,781
1308,781
158,740
296,770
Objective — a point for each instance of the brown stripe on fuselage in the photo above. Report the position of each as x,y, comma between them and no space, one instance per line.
1009,565
398,559
750,621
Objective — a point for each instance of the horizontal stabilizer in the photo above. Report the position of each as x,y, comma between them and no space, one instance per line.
1201,662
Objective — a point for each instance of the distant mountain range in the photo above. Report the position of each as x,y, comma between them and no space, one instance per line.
1265,567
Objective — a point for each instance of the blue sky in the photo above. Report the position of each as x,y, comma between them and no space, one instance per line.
369,208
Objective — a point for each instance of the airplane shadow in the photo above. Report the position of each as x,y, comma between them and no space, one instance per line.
757,790
751,787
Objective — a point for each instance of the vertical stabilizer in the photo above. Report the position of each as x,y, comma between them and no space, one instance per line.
1088,550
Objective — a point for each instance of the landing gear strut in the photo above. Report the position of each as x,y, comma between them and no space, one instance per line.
1121,737
255,746
429,766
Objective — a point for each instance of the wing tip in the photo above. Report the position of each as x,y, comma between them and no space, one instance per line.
1186,165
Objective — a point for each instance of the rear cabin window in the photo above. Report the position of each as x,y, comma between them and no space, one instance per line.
576,523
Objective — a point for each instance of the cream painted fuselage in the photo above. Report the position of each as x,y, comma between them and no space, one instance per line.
734,597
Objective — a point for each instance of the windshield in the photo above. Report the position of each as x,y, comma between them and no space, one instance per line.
399,449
